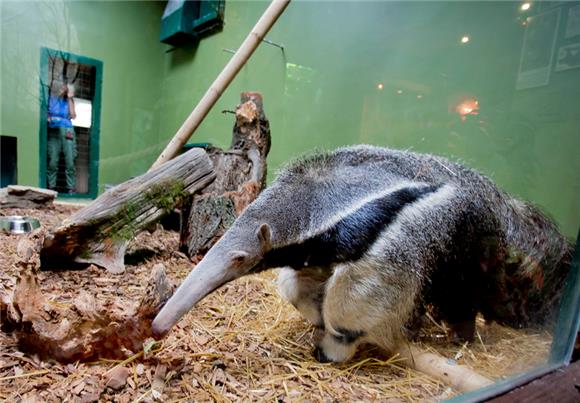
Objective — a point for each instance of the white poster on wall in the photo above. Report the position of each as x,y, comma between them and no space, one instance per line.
573,22
538,50
568,57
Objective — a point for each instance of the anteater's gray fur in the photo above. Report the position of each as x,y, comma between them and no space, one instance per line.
449,237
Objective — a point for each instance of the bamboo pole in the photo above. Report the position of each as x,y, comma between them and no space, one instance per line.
264,24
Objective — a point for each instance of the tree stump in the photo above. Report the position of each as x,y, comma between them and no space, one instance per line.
240,176
100,232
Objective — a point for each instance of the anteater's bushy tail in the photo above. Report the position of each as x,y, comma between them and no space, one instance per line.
536,263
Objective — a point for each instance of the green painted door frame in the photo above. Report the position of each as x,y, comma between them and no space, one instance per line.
45,54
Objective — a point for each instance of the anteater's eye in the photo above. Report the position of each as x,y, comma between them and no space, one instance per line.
239,257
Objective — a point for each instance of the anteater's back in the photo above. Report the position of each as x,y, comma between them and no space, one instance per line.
311,189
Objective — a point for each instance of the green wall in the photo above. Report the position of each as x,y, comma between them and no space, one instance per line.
124,36
526,140
322,90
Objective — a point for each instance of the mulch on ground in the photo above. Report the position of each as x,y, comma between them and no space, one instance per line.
242,343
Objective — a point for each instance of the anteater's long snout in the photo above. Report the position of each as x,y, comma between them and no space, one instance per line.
207,276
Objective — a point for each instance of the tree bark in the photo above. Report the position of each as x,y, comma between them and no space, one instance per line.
240,176
100,232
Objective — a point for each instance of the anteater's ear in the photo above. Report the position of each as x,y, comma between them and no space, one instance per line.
265,237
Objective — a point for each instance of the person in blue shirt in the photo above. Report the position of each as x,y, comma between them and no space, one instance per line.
61,136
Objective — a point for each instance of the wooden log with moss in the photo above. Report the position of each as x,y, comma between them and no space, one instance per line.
100,232
240,176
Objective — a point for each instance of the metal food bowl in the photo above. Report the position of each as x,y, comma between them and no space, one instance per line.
18,224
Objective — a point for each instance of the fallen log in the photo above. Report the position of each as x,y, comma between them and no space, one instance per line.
100,232
240,176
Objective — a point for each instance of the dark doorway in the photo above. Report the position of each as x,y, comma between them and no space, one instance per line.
8,161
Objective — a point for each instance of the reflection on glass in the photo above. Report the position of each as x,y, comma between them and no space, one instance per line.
61,137
465,106
69,113
503,105
298,78
495,85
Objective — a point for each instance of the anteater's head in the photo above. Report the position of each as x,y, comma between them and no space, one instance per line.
240,251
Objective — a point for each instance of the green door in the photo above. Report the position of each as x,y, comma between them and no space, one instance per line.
69,159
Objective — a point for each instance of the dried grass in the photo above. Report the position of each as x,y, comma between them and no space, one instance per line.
242,343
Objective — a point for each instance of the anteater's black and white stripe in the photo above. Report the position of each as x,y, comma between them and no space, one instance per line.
347,236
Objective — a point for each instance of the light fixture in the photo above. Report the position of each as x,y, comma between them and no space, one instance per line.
380,86
467,106
399,92
419,96
525,6
464,39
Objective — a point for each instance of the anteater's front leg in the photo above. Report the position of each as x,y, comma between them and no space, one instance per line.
364,302
305,290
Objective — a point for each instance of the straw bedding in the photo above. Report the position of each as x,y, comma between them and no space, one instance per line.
242,343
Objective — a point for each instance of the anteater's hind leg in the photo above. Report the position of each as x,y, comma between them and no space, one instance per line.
305,290
458,285
459,316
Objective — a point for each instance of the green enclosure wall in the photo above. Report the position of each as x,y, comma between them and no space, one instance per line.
122,35
388,73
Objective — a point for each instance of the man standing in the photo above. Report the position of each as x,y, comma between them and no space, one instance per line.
61,136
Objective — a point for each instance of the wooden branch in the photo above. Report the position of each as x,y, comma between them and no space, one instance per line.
99,233
274,10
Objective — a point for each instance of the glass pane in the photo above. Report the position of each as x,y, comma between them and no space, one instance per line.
488,84
493,86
